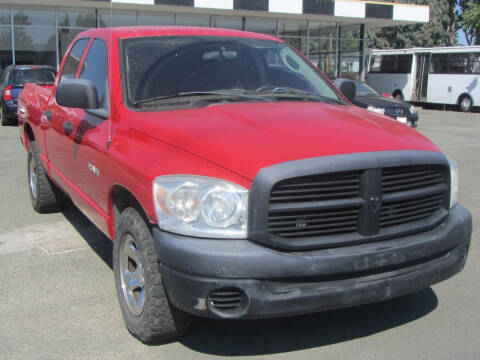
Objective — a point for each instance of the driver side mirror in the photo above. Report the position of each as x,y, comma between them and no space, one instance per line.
348,90
77,93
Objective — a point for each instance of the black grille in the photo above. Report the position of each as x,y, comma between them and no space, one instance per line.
226,299
316,188
362,204
404,211
410,178
314,222
394,112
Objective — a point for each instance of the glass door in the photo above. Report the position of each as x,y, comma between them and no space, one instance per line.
421,76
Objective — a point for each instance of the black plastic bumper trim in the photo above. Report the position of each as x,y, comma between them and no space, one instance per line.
266,299
244,259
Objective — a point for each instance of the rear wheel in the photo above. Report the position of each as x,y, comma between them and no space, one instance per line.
3,117
465,103
146,310
44,195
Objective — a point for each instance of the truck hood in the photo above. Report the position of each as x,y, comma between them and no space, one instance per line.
244,138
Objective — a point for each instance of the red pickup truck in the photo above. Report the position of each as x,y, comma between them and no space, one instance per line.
235,180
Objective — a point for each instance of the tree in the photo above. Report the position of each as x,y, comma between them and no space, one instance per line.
470,21
441,30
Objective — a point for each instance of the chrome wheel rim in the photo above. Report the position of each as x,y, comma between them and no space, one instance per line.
466,103
132,276
33,178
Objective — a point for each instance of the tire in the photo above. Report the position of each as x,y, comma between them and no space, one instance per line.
44,195
147,313
3,117
465,103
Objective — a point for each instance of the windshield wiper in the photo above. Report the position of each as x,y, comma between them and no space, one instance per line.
289,92
225,95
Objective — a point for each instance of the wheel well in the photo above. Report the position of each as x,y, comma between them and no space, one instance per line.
462,96
121,198
28,135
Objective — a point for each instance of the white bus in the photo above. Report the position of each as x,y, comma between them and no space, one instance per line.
448,75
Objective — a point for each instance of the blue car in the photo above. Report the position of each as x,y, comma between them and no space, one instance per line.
12,81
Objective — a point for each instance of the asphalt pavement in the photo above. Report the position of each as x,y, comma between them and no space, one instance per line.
58,298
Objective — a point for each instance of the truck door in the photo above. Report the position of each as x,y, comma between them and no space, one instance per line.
421,76
57,142
81,140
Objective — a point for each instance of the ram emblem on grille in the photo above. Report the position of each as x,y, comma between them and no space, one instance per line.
374,203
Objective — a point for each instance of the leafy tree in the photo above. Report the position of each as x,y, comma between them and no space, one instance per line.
469,20
439,31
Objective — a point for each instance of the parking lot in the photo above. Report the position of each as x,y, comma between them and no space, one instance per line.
59,302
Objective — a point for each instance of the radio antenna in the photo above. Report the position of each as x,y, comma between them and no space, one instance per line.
109,57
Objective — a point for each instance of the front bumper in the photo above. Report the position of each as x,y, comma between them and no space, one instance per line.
274,283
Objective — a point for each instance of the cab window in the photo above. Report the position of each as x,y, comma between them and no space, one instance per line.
95,68
73,60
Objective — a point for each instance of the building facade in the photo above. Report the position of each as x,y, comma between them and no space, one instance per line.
330,32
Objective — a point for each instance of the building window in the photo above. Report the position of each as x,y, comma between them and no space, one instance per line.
228,22
323,7
156,18
257,5
292,28
107,18
5,47
193,20
34,17
264,26
35,45
77,18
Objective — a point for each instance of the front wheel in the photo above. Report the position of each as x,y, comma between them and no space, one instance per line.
147,313
3,117
465,103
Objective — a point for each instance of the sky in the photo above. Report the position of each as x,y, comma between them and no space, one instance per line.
461,38
460,34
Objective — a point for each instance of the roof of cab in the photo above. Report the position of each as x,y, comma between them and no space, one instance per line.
144,31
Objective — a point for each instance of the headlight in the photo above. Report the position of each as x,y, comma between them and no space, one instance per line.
412,110
376,110
201,206
453,182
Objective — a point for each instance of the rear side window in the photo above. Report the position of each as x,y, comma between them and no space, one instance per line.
391,64
3,78
95,67
73,59
455,63
459,64
439,64
33,76
475,61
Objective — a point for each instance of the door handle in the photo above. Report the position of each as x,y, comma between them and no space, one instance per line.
48,115
67,127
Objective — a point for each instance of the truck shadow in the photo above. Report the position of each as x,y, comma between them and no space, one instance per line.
99,243
263,337
271,336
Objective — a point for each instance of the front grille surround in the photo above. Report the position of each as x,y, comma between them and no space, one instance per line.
380,174
397,111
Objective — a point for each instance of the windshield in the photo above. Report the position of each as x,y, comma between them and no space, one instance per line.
33,76
363,89
160,68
